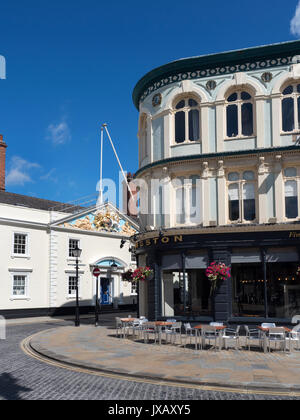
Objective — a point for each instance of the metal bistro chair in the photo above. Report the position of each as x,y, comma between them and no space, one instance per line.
150,328
277,335
189,333
231,334
210,333
137,327
294,337
172,332
119,327
253,335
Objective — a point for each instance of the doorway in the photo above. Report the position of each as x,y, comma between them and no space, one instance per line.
105,291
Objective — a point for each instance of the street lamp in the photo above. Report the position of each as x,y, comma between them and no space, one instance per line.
77,253
114,266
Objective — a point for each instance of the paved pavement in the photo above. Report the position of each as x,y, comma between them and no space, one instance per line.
25,378
100,349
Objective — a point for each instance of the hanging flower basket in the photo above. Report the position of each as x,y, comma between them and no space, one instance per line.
216,273
127,276
141,274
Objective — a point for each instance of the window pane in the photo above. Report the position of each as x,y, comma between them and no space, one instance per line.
248,290
180,212
291,199
233,176
290,172
195,200
19,286
72,285
73,244
248,176
232,121
192,103
180,127
298,88
247,119
249,202
234,204
288,114
283,290
245,96
180,105
288,90
20,244
232,98
194,131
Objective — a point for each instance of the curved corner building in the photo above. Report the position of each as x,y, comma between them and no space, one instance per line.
219,175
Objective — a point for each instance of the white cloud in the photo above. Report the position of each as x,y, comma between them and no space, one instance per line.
19,171
59,133
50,176
295,22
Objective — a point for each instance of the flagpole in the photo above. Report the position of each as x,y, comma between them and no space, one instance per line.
101,167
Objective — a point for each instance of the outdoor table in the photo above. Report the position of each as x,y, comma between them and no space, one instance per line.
213,328
125,322
265,331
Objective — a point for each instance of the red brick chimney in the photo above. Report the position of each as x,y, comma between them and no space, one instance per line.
3,147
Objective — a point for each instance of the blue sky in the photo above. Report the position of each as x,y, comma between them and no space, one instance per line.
72,65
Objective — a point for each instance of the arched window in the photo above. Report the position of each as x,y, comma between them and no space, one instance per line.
239,115
241,196
187,121
291,108
291,193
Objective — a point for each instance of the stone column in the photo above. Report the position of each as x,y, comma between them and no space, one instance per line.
222,219
279,190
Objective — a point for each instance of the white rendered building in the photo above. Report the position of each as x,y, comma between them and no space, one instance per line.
37,267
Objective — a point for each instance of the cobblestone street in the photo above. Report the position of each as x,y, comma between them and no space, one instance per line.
25,378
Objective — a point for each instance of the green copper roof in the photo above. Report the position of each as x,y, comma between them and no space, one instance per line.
212,61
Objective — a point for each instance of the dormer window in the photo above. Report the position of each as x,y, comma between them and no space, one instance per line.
239,114
187,121
291,108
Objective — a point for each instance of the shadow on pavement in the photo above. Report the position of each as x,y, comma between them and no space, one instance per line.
9,387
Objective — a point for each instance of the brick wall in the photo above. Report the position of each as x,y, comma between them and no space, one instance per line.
2,163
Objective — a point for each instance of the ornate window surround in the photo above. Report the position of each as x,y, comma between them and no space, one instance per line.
292,178
186,109
239,102
290,82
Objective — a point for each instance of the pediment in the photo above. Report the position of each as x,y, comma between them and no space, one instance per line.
105,218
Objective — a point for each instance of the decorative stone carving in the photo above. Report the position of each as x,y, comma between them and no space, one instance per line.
205,170
221,172
261,166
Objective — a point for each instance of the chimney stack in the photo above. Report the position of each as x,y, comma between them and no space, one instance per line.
3,147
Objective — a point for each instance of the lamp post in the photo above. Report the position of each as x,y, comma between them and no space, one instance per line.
77,253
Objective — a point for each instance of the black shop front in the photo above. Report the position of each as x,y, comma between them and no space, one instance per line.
264,283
